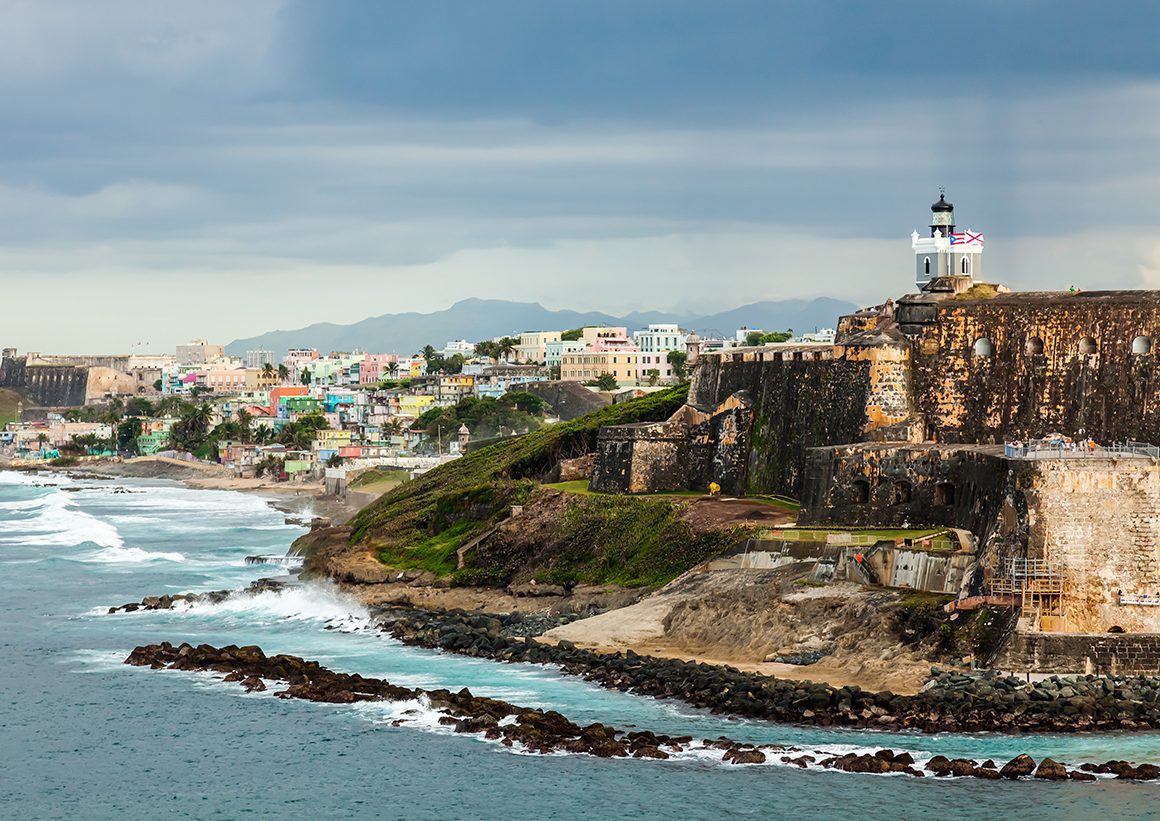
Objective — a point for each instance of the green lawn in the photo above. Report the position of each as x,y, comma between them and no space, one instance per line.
581,486
379,480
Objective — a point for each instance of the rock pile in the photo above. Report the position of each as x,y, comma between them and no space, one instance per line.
547,731
951,702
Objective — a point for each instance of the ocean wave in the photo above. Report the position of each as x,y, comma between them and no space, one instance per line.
315,602
60,523
133,555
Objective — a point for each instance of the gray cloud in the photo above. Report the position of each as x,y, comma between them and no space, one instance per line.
179,171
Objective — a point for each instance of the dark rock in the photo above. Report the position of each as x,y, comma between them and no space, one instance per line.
1019,766
1051,770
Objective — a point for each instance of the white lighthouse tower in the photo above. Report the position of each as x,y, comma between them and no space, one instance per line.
946,252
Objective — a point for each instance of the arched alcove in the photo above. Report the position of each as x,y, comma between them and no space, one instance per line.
900,492
984,347
1034,345
861,491
1087,345
1142,345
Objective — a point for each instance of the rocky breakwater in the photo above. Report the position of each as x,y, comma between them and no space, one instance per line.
950,702
547,731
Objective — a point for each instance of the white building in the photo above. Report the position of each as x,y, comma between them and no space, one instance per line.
259,358
555,351
660,338
825,335
532,347
458,346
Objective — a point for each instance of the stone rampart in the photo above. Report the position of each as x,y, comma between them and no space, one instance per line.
45,385
1021,365
1119,654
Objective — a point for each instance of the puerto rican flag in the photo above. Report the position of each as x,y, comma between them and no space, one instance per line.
966,238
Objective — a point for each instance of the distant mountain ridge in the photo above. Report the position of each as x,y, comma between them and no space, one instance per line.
477,319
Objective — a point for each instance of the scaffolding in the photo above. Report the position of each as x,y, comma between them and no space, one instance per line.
1038,586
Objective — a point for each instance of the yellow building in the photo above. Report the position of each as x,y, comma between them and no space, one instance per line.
586,365
414,405
533,346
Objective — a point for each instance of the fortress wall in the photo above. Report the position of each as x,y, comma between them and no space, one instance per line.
799,405
1017,392
45,385
1076,654
1101,517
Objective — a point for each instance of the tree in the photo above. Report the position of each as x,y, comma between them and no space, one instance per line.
305,379
127,433
283,372
488,348
654,375
393,369
507,346
678,360
139,406
524,402
333,461
572,335
268,370
605,382
758,338
157,385
244,420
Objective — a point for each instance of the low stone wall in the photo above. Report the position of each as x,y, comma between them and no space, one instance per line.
1124,654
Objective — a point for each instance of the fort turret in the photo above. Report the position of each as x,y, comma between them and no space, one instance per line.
946,252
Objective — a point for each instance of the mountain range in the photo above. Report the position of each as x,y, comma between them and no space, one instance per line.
479,319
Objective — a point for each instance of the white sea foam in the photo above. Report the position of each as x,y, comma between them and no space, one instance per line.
308,602
60,522
132,555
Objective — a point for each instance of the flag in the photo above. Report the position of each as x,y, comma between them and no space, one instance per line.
966,238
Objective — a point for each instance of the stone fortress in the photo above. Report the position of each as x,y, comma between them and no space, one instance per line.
1025,422
53,382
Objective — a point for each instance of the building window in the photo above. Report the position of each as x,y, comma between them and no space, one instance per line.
1034,345
983,347
861,491
1087,345
1142,345
926,265
966,266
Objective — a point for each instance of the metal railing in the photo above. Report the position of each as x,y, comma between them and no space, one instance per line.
1070,449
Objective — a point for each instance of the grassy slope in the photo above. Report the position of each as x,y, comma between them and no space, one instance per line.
422,523
8,401
632,541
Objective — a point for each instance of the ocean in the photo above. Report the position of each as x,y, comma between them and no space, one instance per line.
83,736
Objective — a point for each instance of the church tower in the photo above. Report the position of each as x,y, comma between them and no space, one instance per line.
946,252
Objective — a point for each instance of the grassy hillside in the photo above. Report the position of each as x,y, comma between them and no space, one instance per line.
8,402
421,524
575,539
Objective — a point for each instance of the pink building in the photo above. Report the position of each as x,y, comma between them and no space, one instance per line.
377,366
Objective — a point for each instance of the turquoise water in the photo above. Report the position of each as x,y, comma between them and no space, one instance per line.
84,736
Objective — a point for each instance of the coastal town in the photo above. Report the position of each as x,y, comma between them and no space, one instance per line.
309,416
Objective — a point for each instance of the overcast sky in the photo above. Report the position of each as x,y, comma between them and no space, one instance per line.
222,168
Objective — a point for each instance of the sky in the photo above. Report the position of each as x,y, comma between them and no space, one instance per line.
172,170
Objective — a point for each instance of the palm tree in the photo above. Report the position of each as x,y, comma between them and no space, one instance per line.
393,369
244,420
268,370
283,372
506,347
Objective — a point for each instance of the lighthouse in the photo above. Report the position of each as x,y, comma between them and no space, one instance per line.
946,252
